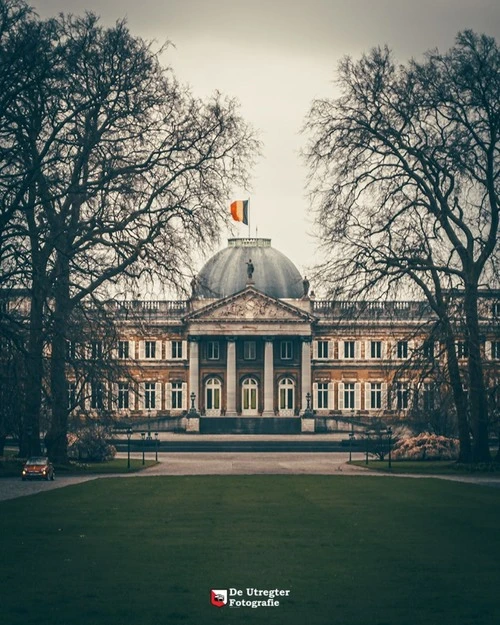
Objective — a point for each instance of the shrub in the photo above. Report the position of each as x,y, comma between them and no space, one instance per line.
91,444
426,447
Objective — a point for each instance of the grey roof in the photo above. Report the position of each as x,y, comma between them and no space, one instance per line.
226,272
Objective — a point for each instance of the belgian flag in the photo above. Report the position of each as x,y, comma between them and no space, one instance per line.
239,210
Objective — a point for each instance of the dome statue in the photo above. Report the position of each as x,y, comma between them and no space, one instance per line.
229,271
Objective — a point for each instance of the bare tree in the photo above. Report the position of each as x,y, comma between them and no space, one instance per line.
404,173
130,174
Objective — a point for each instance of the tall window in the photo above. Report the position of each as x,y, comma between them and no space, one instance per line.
429,349
213,350
249,350
495,309
123,395
71,395
150,395
349,349
177,349
375,395
495,350
286,394
322,349
286,350
402,395
375,349
322,402
96,350
71,350
428,396
462,349
123,349
349,395
212,397
149,349
96,395
402,350
176,395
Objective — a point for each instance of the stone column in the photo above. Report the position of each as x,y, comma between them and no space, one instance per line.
306,372
231,377
268,378
194,371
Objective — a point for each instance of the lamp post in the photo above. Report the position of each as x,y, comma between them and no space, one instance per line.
389,432
192,411
149,421
308,412
366,439
129,434
351,437
143,436
156,449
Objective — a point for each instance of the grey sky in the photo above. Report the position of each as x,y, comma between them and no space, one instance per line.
275,57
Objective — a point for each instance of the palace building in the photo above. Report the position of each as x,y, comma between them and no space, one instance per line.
252,345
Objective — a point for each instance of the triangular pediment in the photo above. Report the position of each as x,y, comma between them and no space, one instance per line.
250,305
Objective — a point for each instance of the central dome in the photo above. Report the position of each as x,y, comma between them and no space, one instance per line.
226,272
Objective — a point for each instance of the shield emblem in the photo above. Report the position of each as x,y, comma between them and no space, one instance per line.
218,598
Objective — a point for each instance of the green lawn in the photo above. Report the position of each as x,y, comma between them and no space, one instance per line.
352,550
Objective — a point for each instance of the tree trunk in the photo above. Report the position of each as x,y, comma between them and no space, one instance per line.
478,401
29,431
56,436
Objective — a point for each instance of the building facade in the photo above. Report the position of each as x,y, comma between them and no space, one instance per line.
253,341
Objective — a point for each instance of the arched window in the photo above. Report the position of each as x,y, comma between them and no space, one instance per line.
212,397
286,397
249,396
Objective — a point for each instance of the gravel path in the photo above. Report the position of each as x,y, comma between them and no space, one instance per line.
226,463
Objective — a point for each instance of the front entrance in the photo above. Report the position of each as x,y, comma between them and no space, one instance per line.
286,397
249,396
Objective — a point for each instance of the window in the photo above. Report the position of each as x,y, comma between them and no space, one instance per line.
176,395
249,350
149,349
322,402
286,394
428,396
349,395
462,349
213,350
375,349
71,395
375,396
429,350
322,349
71,350
286,350
402,350
150,395
402,395
212,394
349,349
123,395
495,350
176,349
96,350
123,349
97,396
495,309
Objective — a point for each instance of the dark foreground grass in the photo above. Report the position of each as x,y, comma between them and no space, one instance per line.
352,551
430,467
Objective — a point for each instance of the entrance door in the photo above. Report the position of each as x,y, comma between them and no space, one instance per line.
286,397
249,396
212,397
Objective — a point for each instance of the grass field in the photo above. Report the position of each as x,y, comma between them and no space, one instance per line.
430,467
352,551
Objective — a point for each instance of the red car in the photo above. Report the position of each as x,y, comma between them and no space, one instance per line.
38,467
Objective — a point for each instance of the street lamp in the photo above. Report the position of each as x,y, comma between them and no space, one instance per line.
192,411
157,442
149,421
143,436
366,435
351,438
129,434
389,432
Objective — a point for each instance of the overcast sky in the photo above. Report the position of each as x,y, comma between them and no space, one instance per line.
275,56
